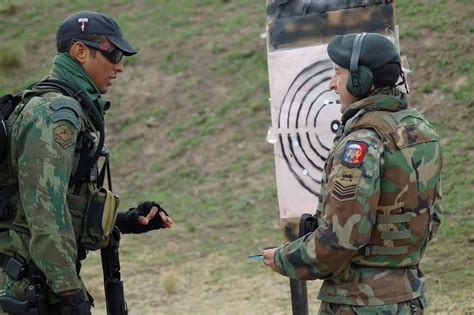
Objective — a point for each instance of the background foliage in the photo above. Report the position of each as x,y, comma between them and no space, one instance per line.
187,128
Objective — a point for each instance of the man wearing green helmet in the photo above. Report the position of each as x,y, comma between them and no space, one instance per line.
380,196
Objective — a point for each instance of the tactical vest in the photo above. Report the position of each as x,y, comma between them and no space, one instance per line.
84,184
408,187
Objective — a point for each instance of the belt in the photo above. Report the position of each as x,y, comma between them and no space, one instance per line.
4,259
357,266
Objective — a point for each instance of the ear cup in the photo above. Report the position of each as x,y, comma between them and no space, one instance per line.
360,81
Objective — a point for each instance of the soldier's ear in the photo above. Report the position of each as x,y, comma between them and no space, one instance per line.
79,52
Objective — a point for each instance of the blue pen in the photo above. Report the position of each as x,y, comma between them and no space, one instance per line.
255,257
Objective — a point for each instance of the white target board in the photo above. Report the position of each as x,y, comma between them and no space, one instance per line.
305,118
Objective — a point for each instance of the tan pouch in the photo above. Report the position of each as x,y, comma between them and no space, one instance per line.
100,219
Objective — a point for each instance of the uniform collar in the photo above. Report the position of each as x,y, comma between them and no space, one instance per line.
383,99
67,69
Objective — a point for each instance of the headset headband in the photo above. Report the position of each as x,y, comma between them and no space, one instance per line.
356,50
354,64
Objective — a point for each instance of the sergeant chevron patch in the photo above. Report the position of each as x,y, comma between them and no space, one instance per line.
63,135
346,183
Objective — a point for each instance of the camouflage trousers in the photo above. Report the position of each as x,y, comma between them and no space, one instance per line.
412,307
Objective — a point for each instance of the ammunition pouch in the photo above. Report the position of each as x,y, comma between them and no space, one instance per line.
6,209
308,224
17,268
100,219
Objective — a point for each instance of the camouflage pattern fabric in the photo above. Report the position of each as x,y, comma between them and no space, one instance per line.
44,155
377,208
413,307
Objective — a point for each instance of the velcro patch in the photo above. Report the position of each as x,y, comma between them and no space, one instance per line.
353,153
345,183
63,135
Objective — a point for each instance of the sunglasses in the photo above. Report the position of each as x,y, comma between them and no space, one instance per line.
114,55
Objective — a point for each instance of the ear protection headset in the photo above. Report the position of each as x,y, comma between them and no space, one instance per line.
361,78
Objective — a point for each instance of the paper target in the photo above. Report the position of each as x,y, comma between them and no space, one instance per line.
305,109
305,119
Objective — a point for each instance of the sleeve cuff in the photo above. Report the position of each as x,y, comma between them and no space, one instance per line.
278,259
65,281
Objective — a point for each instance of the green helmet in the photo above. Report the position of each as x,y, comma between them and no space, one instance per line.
375,51
361,54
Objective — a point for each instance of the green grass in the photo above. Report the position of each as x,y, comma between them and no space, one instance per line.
200,85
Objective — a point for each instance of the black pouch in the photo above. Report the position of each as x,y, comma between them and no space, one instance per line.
16,268
6,210
100,219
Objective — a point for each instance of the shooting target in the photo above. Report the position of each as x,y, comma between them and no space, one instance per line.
305,119
305,109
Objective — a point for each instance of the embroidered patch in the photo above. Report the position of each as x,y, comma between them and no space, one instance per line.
345,183
353,154
83,24
63,135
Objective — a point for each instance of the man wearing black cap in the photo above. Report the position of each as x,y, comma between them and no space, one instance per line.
59,208
380,191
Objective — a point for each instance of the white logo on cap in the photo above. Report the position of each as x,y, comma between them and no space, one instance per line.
83,22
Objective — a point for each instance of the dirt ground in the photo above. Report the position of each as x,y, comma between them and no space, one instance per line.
149,98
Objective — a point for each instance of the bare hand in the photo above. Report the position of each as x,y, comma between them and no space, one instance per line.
268,260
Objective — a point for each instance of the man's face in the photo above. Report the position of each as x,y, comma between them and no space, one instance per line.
101,70
338,84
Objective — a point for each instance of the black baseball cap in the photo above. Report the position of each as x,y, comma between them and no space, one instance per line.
93,23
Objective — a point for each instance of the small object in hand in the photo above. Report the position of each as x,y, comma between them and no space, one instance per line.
255,257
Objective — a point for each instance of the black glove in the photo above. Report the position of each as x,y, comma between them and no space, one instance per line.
127,221
75,304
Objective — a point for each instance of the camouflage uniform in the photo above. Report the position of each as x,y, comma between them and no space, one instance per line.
378,208
47,135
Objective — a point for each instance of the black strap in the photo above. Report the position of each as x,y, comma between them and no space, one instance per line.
87,104
105,169
85,163
357,266
354,63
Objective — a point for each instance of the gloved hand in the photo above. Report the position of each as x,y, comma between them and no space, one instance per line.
129,221
74,304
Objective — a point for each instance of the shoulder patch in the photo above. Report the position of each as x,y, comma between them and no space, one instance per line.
353,153
345,183
63,135
66,103
65,116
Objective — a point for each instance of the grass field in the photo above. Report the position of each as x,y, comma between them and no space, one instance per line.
187,128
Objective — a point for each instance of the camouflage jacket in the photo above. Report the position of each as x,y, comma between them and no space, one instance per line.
46,132
378,206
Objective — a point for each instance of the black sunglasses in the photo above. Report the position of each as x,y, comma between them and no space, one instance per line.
114,55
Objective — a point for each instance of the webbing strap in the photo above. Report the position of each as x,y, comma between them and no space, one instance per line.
394,218
395,235
78,203
14,227
382,250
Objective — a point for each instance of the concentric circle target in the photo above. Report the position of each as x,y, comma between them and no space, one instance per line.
308,120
